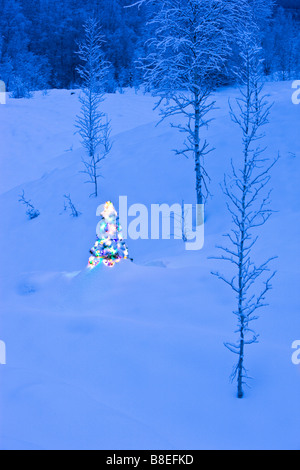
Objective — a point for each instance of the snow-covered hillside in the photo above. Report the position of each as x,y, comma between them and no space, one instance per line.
133,357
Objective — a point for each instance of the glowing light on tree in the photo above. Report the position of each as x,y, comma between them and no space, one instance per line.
110,247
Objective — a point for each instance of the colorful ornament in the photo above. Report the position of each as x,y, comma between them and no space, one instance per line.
110,247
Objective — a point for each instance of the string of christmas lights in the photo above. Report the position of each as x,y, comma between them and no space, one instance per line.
110,247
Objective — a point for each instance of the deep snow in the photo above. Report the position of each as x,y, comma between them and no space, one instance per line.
133,357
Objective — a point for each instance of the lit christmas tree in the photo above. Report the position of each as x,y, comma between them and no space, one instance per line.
110,247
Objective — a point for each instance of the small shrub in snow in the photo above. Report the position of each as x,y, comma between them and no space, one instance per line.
32,212
69,204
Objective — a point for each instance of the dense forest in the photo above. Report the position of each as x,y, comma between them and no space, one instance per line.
290,4
39,40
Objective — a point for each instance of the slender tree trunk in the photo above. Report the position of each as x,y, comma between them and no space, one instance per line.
198,153
92,146
198,168
241,364
95,178
241,316
242,321
241,269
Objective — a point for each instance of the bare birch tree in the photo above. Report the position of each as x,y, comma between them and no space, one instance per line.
188,52
92,123
248,202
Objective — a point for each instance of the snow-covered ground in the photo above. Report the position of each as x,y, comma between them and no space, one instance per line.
133,357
